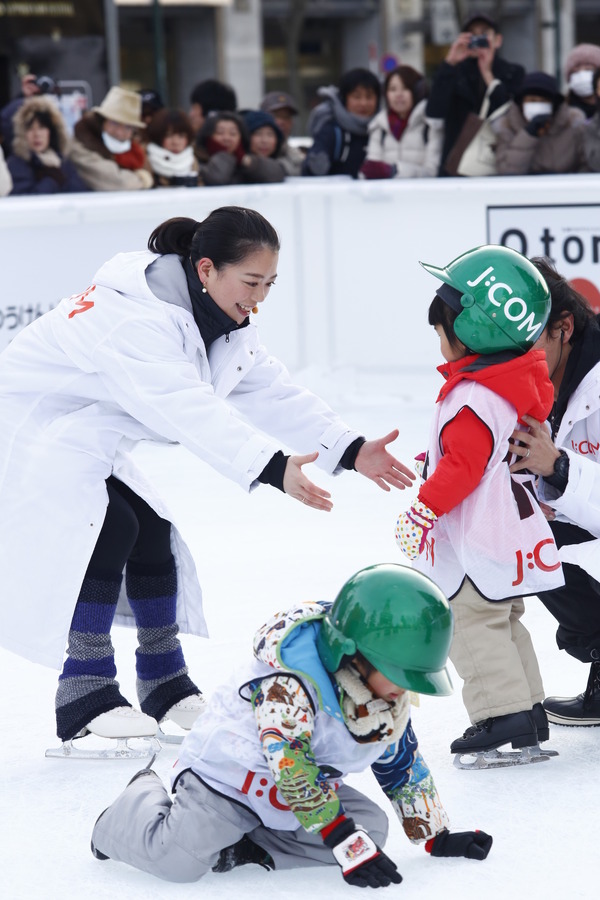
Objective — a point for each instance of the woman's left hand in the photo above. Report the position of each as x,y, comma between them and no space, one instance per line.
374,462
535,449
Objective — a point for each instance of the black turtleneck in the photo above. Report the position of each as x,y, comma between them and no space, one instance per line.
212,322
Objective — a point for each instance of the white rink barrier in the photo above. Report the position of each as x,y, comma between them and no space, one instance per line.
350,291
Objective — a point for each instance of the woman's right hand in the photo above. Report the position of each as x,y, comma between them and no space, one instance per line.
298,486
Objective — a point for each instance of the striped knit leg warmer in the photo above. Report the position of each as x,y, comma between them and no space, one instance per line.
162,675
87,686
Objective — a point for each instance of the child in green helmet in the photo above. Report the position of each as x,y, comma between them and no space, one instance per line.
474,529
260,777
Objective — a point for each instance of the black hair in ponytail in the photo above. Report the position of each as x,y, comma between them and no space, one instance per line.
227,236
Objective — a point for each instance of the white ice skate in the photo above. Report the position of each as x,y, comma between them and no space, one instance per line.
183,714
123,724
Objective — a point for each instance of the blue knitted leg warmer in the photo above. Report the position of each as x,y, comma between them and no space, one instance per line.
162,675
87,686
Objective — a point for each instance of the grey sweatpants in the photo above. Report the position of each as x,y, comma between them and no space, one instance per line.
180,839
493,653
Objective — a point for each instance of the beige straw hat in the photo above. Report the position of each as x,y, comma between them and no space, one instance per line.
122,106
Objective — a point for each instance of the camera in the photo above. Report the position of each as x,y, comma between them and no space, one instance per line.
478,40
46,84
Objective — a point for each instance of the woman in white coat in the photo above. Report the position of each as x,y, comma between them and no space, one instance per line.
403,143
160,347
567,458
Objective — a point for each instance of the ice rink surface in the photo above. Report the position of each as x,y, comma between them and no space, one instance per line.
257,554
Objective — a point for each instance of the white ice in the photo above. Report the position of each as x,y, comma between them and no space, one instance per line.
257,554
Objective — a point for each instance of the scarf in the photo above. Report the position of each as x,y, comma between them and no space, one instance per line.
368,718
168,164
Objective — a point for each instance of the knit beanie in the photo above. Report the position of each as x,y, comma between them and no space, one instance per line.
258,118
582,54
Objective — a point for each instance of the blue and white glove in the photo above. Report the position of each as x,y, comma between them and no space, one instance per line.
412,529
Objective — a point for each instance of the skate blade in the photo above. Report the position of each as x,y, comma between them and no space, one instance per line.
126,748
497,759
166,737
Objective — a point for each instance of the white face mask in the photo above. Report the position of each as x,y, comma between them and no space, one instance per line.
536,108
581,83
113,145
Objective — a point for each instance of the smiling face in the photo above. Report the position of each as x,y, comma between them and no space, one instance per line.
238,288
399,98
228,135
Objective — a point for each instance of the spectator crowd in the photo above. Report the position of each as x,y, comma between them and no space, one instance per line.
479,115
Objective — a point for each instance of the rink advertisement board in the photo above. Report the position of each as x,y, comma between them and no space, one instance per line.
569,234
350,290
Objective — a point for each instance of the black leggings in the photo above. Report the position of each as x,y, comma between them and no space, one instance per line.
131,531
576,605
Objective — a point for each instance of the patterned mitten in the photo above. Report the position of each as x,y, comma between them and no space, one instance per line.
420,463
412,529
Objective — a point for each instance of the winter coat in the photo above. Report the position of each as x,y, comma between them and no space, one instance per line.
339,138
227,752
417,154
459,90
79,387
521,153
492,549
5,176
579,436
588,137
291,160
100,168
32,174
225,168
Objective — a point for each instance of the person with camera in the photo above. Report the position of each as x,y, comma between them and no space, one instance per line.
31,86
471,73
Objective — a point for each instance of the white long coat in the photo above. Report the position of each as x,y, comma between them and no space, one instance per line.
418,152
80,386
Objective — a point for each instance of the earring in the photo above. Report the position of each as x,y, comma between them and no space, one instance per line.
203,288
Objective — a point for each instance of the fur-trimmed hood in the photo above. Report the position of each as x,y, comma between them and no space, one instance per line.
59,138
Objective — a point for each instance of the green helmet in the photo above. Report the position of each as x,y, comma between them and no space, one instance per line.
399,620
502,300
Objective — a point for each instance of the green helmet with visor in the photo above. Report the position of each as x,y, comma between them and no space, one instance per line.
502,301
399,620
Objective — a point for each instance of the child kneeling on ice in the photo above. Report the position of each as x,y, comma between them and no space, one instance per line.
261,774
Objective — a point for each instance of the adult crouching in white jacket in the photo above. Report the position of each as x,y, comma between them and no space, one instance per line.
403,142
160,347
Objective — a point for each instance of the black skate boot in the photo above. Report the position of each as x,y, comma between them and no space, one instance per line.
478,747
581,710
245,851
541,722
518,728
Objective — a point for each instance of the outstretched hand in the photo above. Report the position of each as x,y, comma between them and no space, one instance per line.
375,462
298,486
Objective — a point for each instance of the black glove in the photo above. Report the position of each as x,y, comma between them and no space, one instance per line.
537,124
363,863
472,844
